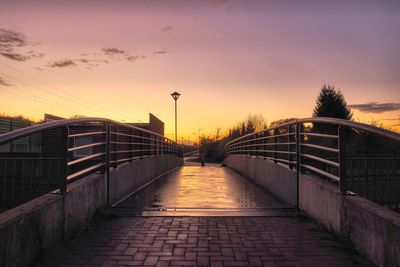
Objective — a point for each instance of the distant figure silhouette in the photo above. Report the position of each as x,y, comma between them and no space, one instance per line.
201,158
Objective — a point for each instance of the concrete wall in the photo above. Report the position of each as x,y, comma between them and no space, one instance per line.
129,177
276,178
32,228
374,230
321,200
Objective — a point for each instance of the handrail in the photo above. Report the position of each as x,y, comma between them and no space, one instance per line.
23,132
311,149
335,121
109,144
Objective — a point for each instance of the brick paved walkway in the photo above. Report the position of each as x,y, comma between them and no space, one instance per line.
204,241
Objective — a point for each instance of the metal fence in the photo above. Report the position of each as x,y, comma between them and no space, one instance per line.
341,151
71,149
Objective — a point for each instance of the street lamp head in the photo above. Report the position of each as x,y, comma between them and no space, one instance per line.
175,95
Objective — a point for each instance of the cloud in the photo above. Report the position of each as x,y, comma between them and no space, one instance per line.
167,29
221,3
92,60
11,39
159,52
62,63
114,51
14,56
134,58
10,44
119,54
375,107
4,82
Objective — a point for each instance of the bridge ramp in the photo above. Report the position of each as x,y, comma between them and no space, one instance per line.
202,191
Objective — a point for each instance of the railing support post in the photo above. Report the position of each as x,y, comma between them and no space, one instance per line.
64,160
141,144
116,146
107,160
298,163
342,159
274,141
289,156
131,140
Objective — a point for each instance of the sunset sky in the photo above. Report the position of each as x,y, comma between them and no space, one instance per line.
121,59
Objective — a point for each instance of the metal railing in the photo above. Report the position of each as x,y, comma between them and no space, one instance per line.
71,149
341,151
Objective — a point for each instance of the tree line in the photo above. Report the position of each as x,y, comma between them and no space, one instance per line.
330,103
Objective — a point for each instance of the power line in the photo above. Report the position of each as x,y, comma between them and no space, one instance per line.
81,100
48,92
33,98
73,109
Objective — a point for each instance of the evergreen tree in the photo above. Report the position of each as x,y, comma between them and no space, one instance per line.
331,103
243,130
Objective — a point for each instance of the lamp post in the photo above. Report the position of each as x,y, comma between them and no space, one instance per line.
175,95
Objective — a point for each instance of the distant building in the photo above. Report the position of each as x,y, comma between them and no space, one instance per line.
22,145
50,117
155,124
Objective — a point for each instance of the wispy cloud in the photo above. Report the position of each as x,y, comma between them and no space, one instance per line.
11,42
120,54
10,39
3,82
15,56
160,52
92,60
167,29
62,63
111,51
134,58
221,3
375,107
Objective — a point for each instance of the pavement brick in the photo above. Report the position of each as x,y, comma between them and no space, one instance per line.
204,241
151,260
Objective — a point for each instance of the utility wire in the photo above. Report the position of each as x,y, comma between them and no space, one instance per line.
49,92
73,108
82,100
33,98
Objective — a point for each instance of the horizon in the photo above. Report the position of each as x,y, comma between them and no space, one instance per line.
228,59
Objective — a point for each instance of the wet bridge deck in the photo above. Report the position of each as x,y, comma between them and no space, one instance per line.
202,191
248,227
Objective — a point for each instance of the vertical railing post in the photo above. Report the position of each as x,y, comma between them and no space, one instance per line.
289,156
64,146
153,144
116,154
141,144
342,159
274,139
161,145
107,160
131,140
298,163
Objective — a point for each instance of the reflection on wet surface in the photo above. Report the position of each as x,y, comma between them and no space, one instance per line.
197,188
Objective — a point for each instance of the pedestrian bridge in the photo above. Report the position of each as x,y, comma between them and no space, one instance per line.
264,207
